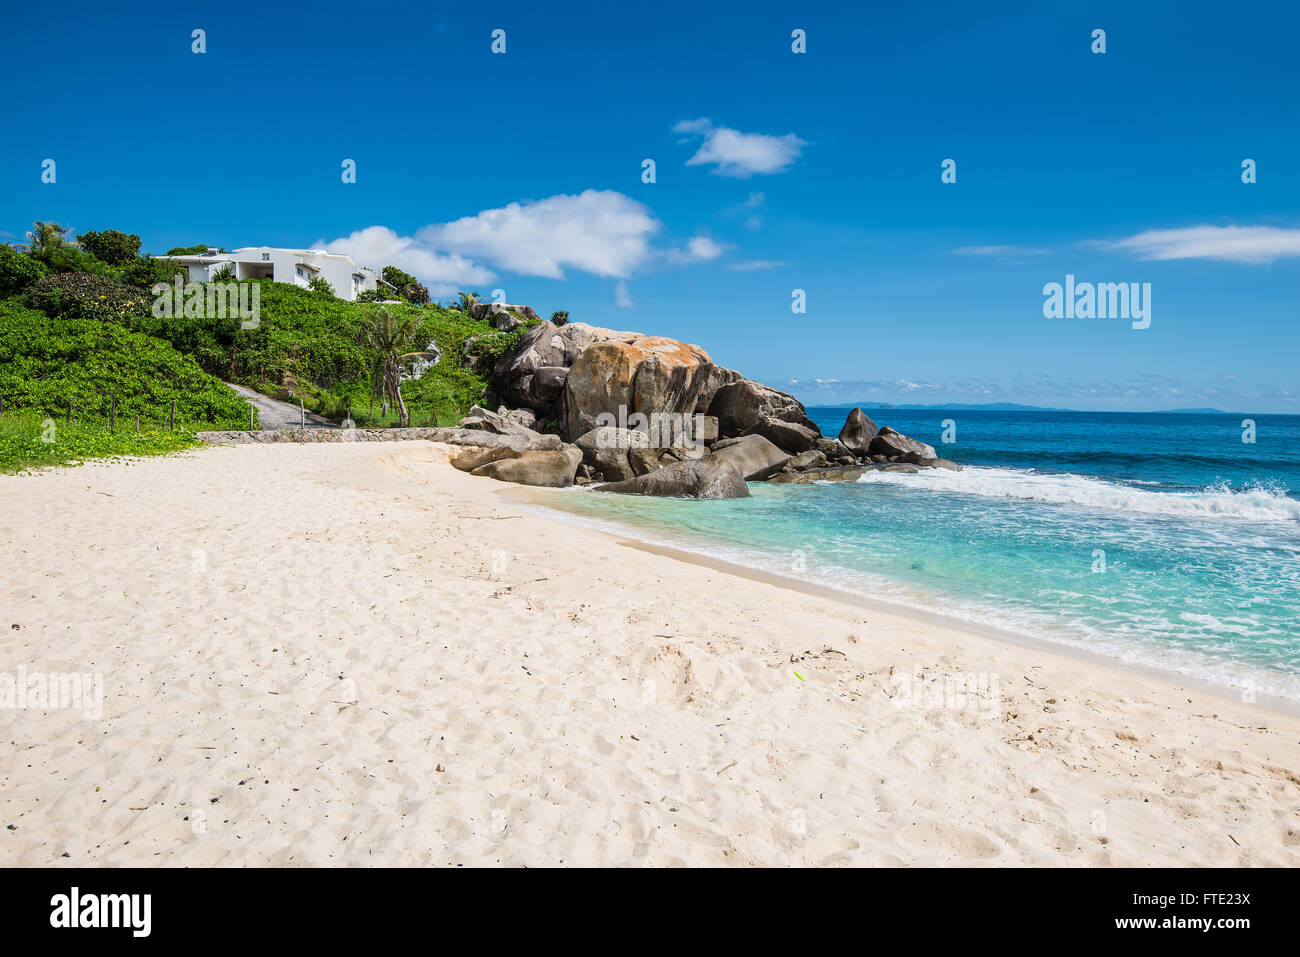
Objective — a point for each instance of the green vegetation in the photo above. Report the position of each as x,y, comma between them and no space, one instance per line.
77,327
47,363
111,246
29,441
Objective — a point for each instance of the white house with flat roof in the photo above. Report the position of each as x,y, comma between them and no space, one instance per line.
297,266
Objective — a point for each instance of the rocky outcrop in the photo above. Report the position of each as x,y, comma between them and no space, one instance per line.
532,374
617,454
754,457
502,316
790,436
500,423
549,469
702,478
811,459
858,432
889,443
717,378
741,406
646,376
843,473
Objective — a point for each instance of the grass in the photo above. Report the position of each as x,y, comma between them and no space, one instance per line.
31,441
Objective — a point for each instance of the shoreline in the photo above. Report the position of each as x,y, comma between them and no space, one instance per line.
354,654
537,499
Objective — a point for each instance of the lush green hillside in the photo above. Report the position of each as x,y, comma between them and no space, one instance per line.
46,362
306,345
76,324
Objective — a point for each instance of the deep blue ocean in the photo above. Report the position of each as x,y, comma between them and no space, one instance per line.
1160,539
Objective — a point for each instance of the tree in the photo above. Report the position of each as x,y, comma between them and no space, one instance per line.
559,317
198,250
321,284
396,278
392,341
110,245
467,299
46,237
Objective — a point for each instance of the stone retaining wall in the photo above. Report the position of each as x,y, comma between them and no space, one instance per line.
450,436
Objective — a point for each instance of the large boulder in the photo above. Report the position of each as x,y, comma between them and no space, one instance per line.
889,443
754,457
718,377
707,477
483,447
550,469
618,454
647,376
532,373
858,432
790,436
741,405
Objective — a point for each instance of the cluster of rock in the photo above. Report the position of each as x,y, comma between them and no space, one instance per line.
647,415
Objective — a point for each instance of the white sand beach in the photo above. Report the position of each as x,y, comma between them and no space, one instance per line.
354,654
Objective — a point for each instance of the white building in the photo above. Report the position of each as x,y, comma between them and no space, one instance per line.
297,266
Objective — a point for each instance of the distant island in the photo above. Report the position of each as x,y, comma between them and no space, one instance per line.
1006,407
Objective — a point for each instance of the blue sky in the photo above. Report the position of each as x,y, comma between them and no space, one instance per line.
775,171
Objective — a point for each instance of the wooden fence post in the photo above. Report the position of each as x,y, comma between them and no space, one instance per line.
137,423
69,419
302,414
250,417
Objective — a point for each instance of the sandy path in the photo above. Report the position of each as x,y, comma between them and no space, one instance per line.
353,654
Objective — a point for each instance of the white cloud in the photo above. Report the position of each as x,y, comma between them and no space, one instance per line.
698,249
379,246
753,265
1242,244
737,154
622,296
598,231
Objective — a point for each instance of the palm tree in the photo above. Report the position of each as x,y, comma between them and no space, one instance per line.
46,237
467,299
392,341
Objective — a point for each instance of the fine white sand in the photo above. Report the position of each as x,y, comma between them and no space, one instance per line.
354,654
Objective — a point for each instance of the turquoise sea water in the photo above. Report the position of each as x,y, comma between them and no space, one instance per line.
1162,539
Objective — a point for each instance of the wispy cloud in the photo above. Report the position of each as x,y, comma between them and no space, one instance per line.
698,249
740,155
753,265
622,295
1241,244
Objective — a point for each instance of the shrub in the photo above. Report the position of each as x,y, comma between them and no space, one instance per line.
396,277
320,284
110,245
72,259
376,295
559,317
45,362
83,296
198,250
18,271
144,271
224,274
